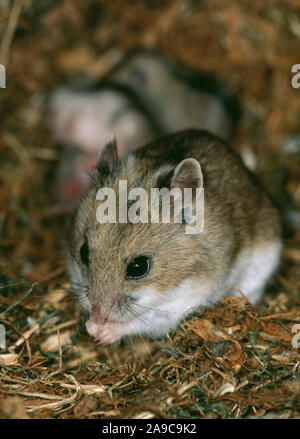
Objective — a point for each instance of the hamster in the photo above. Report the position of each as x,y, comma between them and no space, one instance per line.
143,278
85,116
179,97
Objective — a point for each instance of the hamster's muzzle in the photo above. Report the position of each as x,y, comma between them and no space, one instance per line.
106,333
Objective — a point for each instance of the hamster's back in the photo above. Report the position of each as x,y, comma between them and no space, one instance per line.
232,192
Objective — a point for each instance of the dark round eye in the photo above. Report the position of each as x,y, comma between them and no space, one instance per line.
84,254
138,267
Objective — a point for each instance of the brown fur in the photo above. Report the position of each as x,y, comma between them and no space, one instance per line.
238,215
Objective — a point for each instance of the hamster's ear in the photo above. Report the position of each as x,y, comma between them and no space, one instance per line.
187,174
108,158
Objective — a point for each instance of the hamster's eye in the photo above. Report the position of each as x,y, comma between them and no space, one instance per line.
138,267
84,254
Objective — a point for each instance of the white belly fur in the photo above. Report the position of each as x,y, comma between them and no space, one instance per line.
253,269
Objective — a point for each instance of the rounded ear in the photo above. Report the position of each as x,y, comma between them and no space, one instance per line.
188,178
108,157
187,174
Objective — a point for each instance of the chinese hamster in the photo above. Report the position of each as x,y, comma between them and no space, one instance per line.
144,277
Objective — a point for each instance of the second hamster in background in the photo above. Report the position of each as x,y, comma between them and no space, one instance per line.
178,97
145,96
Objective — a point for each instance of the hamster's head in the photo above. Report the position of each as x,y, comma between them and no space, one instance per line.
134,277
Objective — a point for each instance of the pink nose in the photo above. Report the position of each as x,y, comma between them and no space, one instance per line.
100,315
118,299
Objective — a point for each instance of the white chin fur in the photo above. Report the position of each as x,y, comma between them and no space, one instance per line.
162,311
159,312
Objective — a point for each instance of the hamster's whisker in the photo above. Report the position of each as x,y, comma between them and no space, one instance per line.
108,314
79,288
154,309
140,316
143,320
78,284
140,335
80,297
77,294
121,313
146,345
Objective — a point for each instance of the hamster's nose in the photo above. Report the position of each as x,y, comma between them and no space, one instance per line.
119,299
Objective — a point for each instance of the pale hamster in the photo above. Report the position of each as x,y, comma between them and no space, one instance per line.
82,117
85,116
144,278
179,97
